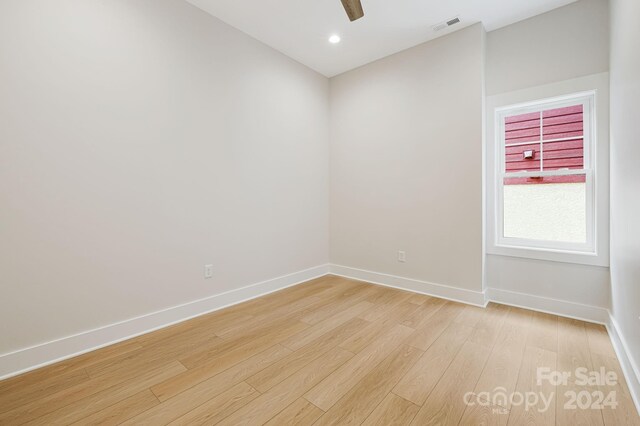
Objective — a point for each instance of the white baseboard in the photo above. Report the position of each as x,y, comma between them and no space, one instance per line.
548,305
423,287
629,367
23,360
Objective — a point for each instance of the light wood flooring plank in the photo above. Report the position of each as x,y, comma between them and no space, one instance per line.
279,397
331,389
428,332
418,383
574,353
16,397
196,379
470,315
87,406
544,332
503,366
395,315
65,373
487,329
340,304
445,404
212,322
623,413
356,405
121,411
192,397
423,314
299,413
194,340
392,411
419,299
265,319
309,334
219,407
539,414
280,370
39,407
245,345
482,413
599,341
380,308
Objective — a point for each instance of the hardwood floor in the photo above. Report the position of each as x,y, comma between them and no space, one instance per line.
331,352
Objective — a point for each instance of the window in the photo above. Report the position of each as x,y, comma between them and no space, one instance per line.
545,175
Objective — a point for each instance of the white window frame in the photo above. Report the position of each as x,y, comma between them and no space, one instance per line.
502,243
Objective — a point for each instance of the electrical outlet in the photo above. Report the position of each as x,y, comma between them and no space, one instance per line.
402,256
208,271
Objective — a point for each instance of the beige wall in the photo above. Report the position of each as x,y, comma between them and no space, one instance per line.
139,141
625,177
406,163
565,43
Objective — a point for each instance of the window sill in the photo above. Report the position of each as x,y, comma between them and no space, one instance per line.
553,255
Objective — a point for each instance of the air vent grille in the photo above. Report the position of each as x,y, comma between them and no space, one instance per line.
446,24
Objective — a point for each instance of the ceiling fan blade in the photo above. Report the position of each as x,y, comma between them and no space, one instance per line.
353,9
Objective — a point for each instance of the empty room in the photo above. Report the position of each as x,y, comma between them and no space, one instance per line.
315,212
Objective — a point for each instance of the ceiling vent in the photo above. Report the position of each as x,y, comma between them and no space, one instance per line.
446,24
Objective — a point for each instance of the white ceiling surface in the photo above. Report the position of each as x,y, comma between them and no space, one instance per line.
300,28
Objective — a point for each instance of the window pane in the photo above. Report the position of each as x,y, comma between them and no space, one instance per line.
566,154
525,146
521,156
562,122
522,128
546,209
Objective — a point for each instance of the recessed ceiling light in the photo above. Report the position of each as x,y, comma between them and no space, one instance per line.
334,39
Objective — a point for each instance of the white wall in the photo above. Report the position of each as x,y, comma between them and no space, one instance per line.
558,53
625,178
406,163
139,141
562,44
574,283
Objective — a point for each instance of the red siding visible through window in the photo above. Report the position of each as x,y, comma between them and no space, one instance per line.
552,138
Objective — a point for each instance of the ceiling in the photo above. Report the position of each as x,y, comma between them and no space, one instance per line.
301,28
